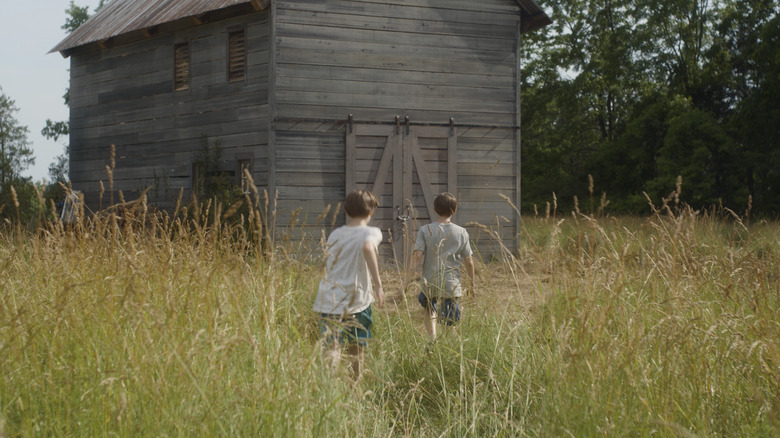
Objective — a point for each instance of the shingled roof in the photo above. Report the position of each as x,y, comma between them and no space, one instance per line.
119,17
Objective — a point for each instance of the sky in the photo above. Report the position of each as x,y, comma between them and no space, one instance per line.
31,76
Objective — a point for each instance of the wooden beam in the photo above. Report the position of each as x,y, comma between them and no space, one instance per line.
151,31
384,166
198,19
259,5
452,161
350,152
422,175
517,140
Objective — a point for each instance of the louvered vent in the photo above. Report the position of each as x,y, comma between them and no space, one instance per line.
236,56
181,57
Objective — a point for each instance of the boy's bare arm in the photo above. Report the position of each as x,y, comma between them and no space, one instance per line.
414,263
369,252
471,271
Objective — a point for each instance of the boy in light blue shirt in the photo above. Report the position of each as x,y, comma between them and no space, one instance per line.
442,247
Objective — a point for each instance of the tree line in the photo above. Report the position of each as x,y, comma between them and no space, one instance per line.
628,96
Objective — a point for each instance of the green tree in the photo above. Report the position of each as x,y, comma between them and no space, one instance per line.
626,164
15,153
58,170
77,15
15,157
755,124
699,149
580,82
640,92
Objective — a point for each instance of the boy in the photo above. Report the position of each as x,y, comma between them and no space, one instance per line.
442,247
345,294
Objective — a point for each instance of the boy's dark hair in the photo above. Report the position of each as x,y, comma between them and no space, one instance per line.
359,203
445,205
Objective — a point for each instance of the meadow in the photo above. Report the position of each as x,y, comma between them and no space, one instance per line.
188,325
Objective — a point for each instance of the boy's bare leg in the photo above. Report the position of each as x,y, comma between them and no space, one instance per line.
332,355
356,357
430,323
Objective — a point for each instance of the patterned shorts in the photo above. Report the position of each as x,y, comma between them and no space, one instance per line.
447,313
356,328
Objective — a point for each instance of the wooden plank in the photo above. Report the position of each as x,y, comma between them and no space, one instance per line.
309,179
351,154
474,13
476,169
517,132
408,164
485,155
422,63
385,22
360,86
499,136
398,206
481,181
384,167
422,173
383,42
273,107
364,130
310,110
304,194
452,162
317,97
154,108
383,75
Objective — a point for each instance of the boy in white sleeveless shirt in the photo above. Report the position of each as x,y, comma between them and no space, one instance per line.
345,294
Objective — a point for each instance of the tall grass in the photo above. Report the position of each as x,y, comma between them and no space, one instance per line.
141,324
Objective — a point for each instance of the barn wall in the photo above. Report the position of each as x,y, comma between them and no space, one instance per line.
429,60
124,96
425,59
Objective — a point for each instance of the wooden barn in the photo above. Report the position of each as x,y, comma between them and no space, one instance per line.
408,98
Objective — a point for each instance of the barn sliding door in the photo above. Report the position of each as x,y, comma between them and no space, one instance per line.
406,167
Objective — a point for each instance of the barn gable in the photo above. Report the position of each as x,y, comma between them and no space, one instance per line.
407,98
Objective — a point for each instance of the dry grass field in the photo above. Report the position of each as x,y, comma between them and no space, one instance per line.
150,325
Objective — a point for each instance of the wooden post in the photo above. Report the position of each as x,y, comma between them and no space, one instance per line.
350,153
518,155
452,161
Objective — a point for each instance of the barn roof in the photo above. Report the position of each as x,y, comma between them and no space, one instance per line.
119,17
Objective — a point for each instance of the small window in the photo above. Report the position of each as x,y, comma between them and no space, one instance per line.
181,55
245,181
236,56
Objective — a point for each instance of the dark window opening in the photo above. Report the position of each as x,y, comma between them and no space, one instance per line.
236,56
181,55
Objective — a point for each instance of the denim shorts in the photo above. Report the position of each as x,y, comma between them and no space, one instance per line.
355,328
447,313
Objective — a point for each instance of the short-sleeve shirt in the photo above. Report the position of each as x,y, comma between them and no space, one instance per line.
346,288
445,246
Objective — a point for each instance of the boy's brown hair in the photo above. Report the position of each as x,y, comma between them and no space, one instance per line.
445,204
360,203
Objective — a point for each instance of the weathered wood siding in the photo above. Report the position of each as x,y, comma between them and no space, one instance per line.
430,60
124,96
